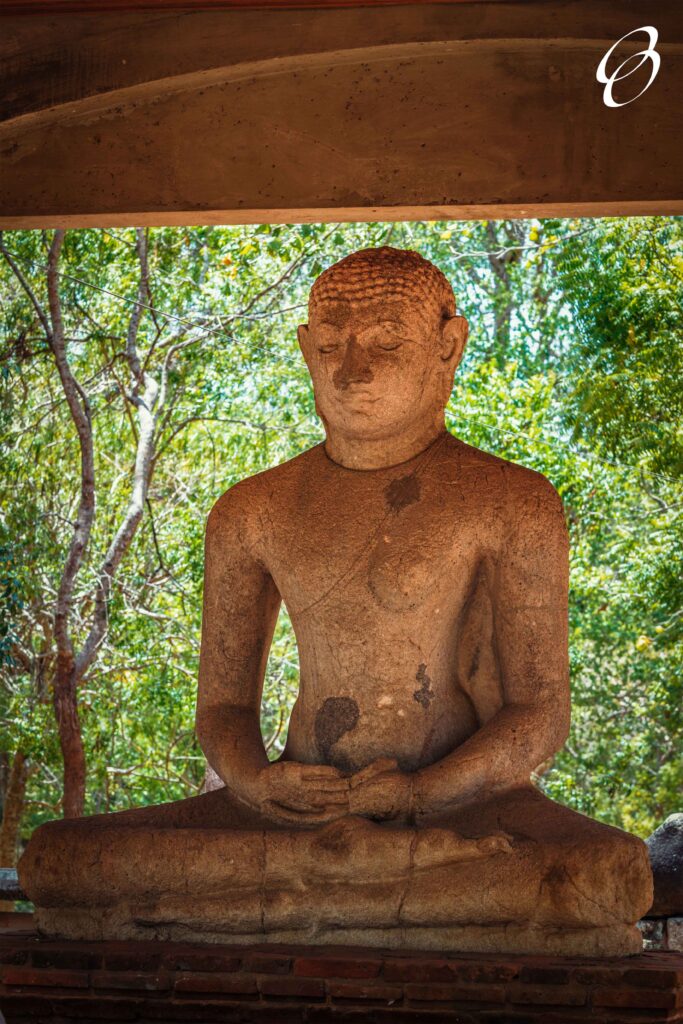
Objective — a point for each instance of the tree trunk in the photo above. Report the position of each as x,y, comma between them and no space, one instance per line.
11,819
148,398
70,739
12,810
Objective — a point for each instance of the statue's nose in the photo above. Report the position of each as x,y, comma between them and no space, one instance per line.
355,368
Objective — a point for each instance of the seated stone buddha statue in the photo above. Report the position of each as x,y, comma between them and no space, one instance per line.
427,584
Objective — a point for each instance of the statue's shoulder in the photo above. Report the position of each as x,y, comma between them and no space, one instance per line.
246,504
509,484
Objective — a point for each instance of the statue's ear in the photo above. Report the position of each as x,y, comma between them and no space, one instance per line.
453,339
303,334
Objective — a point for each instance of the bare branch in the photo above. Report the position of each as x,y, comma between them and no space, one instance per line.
23,281
205,419
284,276
145,399
136,315
79,407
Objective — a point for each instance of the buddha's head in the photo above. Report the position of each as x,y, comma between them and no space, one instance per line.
382,343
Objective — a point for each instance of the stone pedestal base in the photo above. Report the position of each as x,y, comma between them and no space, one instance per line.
127,922
160,981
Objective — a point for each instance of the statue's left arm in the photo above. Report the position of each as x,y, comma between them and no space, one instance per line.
529,597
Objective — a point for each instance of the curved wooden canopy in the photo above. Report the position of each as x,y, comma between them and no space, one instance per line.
485,108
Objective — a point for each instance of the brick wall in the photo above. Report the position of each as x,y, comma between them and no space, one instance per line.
155,981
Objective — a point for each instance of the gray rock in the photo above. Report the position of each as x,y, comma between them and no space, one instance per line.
674,932
653,931
665,847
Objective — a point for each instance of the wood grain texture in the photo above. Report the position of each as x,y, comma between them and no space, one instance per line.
244,115
70,6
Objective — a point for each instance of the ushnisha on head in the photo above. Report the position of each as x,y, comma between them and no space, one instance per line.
382,344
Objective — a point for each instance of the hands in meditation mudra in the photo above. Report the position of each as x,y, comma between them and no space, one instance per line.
427,584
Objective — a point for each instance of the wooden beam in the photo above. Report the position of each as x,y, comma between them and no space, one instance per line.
53,7
429,111
345,214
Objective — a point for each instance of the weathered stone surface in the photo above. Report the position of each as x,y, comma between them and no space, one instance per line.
674,934
427,585
665,847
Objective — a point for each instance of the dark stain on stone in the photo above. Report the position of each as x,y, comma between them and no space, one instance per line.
336,716
556,875
425,695
403,491
336,839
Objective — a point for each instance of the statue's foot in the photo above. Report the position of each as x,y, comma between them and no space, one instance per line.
386,852
439,846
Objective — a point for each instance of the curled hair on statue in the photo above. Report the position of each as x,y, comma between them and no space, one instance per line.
384,273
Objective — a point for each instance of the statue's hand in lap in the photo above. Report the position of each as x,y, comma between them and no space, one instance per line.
294,793
381,791
297,793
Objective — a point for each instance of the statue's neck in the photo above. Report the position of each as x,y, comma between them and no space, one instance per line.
381,453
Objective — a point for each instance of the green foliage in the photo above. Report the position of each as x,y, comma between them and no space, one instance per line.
573,368
627,399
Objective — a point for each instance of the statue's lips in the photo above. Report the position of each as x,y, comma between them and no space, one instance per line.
356,394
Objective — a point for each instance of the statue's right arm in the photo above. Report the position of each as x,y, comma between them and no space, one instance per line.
241,603
240,609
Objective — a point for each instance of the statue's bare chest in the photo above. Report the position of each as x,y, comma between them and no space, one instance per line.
380,542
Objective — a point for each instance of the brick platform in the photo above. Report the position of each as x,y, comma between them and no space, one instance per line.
150,981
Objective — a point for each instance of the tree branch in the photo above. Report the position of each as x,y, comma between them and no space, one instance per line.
136,315
23,281
79,407
145,399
